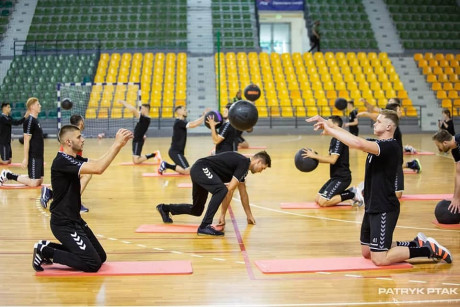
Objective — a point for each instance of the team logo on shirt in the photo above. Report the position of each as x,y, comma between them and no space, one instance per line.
207,173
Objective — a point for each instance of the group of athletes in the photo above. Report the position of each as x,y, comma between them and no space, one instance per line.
70,173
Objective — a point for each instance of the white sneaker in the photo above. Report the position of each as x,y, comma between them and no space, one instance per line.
358,200
3,177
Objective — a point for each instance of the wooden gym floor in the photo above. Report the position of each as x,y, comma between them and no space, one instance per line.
224,273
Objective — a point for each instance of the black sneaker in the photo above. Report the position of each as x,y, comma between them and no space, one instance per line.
45,196
162,167
45,260
83,208
37,259
164,215
209,231
438,252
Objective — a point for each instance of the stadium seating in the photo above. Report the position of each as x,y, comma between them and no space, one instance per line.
344,24
306,85
427,24
163,78
235,20
116,24
442,72
38,76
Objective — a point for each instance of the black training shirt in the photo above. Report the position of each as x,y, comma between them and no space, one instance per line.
179,138
31,126
379,180
6,122
141,128
65,182
229,134
228,165
341,168
351,118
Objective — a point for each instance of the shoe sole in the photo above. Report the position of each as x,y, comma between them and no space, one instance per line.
440,247
208,234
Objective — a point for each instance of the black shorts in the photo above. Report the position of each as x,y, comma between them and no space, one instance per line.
137,148
35,168
377,230
178,158
399,181
333,187
5,152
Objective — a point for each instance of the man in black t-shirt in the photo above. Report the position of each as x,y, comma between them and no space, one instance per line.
445,142
334,190
33,149
79,247
178,141
6,121
209,175
139,131
227,137
352,118
381,203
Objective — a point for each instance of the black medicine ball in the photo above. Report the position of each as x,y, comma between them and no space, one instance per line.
243,115
443,215
252,92
217,118
305,164
66,104
341,104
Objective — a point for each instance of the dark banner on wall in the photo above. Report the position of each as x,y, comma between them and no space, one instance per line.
280,5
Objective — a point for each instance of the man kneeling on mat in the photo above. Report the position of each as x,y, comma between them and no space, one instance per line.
79,247
380,201
334,190
208,176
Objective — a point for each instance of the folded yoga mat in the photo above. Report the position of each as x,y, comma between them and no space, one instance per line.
278,266
313,205
140,164
426,196
420,153
171,228
10,186
164,175
123,268
446,226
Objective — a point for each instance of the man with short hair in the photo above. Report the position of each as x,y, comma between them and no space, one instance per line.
179,140
335,189
46,193
445,142
139,131
209,175
79,247
33,149
381,204
6,121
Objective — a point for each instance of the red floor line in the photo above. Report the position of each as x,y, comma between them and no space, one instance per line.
241,244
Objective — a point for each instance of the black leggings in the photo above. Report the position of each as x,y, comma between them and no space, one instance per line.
204,181
80,248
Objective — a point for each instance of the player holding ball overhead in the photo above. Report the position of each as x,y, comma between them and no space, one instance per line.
335,189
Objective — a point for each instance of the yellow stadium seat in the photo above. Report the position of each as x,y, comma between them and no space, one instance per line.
312,111
90,113
447,86
441,95
331,94
286,111
300,111
103,113
116,113
402,94
446,103
452,94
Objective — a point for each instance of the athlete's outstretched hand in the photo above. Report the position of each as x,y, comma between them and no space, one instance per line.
123,136
321,124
